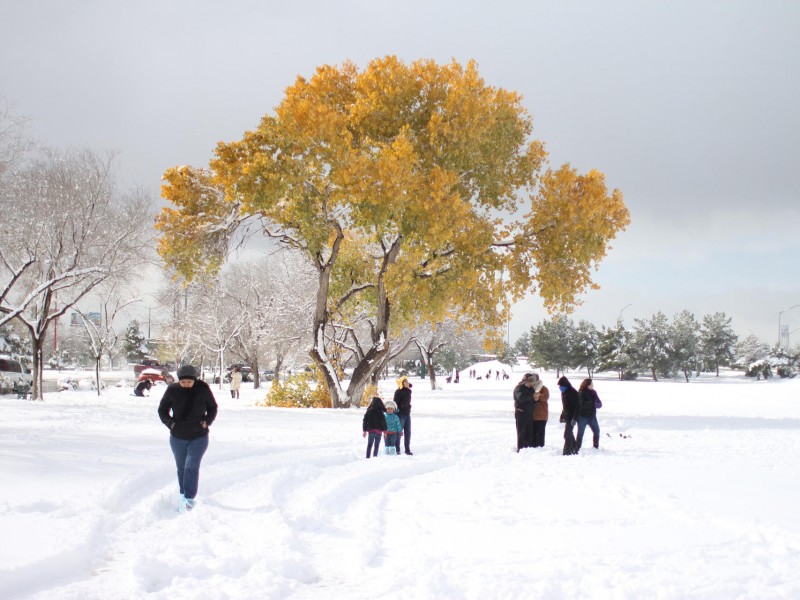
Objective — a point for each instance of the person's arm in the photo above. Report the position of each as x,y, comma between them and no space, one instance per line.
163,410
211,408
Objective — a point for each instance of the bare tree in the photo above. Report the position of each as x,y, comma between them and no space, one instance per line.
103,337
71,232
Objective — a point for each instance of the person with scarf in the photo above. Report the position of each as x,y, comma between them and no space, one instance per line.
541,410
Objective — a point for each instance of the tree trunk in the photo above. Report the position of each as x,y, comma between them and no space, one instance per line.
97,372
37,348
256,374
655,378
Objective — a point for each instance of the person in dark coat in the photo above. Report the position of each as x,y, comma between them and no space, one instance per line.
570,402
402,398
587,414
374,425
144,384
188,409
523,411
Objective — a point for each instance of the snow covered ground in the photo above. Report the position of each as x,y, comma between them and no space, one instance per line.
699,501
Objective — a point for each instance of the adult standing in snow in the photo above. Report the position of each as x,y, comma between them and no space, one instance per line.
541,411
142,386
236,382
570,402
523,411
188,409
402,398
587,415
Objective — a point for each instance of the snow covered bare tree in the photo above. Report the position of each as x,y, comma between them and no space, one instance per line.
71,231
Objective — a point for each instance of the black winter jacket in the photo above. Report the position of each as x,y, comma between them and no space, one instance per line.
374,420
523,398
571,403
184,410
402,397
587,398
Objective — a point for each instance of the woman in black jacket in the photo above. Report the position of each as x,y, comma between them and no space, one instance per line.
587,415
188,409
570,401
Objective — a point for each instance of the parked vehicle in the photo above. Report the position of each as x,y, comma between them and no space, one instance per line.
19,376
154,374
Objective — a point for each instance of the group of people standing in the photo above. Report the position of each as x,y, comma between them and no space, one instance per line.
391,421
531,412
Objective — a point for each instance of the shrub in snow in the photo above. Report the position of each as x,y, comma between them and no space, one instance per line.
301,390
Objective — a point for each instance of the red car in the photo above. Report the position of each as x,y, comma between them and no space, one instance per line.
154,375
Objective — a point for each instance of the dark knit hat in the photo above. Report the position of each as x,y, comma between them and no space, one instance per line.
564,381
187,372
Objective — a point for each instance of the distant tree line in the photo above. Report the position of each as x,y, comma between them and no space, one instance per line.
655,346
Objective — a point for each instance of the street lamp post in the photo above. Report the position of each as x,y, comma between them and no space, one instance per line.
623,310
779,321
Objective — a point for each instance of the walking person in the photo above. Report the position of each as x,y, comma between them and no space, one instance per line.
570,402
236,381
374,425
541,410
523,411
402,398
188,409
394,428
587,415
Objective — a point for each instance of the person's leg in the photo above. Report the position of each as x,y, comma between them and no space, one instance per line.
595,427
403,427
582,421
407,434
569,439
191,471
521,419
179,448
538,433
377,446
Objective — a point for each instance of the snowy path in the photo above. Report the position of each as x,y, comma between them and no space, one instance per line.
699,501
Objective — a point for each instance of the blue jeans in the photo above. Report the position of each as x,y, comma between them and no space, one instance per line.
188,454
593,425
405,421
373,440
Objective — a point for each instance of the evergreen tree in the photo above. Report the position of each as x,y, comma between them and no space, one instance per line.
651,344
685,343
615,352
585,347
717,341
551,343
522,347
135,345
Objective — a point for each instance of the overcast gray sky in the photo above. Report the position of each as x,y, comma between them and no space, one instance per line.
691,108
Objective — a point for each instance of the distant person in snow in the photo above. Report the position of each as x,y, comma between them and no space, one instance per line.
570,402
523,411
142,386
374,425
402,398
541,411
188,409
236,381
587,414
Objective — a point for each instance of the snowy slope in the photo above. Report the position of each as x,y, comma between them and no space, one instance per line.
698,502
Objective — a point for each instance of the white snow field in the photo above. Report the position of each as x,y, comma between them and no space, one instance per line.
701,500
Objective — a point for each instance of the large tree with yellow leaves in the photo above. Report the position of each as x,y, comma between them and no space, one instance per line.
403,185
